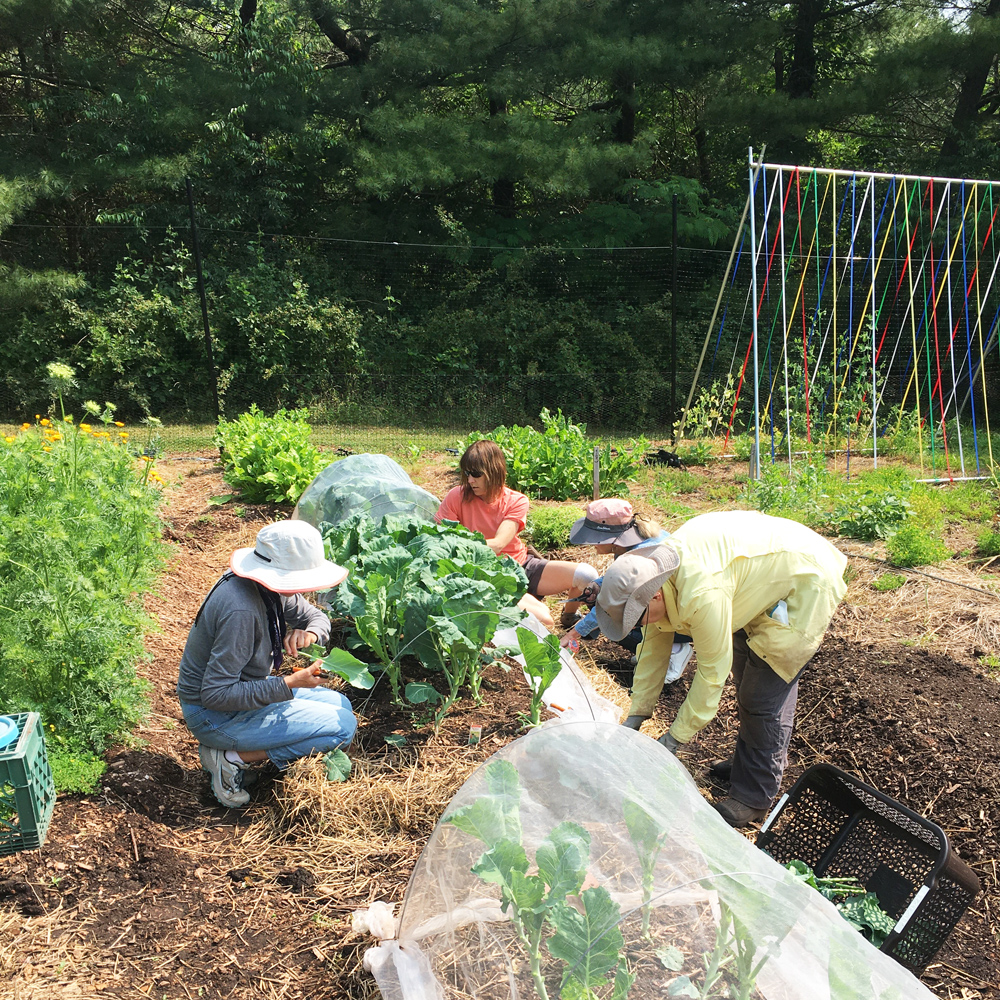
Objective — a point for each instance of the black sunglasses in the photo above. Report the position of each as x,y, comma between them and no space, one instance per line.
475,473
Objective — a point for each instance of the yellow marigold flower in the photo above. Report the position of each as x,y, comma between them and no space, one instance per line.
46,448
8,439
68,420
146,458
85,427
123,435
46,422
25,427
118,423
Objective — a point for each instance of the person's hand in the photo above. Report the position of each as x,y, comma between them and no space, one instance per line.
635,721
669,742
307,677
571,640
298,639
590,592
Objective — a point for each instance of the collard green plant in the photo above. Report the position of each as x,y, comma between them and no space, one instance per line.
648,839
557,463
268,459
541,664
587,939
435,592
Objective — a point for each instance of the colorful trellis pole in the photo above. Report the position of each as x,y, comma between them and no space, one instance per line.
868,293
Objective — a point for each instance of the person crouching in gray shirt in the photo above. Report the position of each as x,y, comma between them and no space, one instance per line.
239,711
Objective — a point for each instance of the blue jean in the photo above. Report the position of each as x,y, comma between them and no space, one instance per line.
316,720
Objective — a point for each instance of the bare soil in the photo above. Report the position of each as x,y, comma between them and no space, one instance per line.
149,888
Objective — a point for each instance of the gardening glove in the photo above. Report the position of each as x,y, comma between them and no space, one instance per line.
635,721
669,742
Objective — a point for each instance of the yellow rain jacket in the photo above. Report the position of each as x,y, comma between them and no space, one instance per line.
735,567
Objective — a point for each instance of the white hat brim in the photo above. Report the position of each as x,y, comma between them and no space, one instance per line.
245,563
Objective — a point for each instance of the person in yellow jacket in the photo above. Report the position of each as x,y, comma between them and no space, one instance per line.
721,579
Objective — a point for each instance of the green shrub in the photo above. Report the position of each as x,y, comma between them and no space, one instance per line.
888,581
268,459
914,545
696,454
870,515
988,543
803,495
77,772
548,527
557,463
79,543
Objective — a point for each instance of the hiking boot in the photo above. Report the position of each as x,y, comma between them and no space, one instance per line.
739,814
227,778
721,770
569,618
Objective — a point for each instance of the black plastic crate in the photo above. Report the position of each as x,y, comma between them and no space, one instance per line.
840,826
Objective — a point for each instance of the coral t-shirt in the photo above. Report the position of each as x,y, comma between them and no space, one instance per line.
478,515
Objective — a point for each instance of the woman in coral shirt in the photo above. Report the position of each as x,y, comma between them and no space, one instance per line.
484,503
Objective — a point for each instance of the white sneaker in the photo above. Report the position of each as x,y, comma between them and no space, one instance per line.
680,653
227,778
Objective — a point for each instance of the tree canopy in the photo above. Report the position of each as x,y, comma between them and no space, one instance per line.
519,124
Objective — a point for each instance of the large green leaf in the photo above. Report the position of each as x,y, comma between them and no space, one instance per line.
589,942
343,664
562,860
500,864
483,819
541,657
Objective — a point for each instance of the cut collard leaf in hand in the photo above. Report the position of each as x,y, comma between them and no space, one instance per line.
343,664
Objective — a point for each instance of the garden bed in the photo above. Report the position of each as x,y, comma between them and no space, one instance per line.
150,889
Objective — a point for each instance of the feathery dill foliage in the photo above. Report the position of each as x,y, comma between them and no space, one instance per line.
79,544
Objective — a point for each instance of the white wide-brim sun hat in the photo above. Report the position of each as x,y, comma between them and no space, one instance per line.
288,558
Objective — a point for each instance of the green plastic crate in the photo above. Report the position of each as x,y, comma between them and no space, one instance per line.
27,792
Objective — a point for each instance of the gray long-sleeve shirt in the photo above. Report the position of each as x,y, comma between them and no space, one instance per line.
226,664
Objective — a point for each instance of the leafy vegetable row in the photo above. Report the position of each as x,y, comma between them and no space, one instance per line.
435,592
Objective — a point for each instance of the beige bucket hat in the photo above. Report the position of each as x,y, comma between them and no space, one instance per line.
630,584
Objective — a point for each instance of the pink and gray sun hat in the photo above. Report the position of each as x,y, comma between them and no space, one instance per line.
606,521
288,558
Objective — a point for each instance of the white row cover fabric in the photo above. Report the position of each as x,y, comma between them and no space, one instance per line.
371,483
601,820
